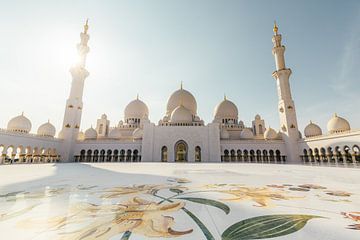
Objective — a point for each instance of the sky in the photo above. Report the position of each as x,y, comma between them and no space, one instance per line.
149,47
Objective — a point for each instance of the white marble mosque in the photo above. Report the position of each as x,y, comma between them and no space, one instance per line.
181,135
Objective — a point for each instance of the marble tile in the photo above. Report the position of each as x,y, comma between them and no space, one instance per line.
178,201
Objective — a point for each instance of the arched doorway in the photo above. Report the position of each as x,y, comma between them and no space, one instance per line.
164,154
181,150
197,154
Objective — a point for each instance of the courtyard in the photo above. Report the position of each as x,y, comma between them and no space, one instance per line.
178,201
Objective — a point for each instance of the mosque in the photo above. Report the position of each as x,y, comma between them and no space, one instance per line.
181,135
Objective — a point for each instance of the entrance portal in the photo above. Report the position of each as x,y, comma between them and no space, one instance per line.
181,150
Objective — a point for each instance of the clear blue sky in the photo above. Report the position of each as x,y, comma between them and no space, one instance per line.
148,47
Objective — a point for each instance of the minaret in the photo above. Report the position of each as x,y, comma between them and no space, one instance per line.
74,104
286,107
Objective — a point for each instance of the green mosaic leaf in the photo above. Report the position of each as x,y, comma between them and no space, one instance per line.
201,225
268,226
208,202
176,190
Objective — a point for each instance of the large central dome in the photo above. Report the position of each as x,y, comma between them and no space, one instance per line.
184,98
136,109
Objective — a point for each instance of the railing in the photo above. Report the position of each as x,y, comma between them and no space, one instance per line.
280,159
30,159
107,158
331,160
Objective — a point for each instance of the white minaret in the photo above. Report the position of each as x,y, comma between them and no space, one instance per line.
74,104
286,107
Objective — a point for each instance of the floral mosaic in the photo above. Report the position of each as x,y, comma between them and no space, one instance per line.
152,210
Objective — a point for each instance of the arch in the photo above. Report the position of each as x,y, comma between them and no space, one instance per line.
181,151
239,155
109,155
317,154
164,154
356,152
271,154
122,155
232,155
311,155
128,155
278,155
305,156
258,155
102,155
330,155
135,155
82,155
96,155
246,155
226,155
88,155
35,154
261,130
116,155
347,154
265,156
18,154
197,154
252,155
338,155
323,154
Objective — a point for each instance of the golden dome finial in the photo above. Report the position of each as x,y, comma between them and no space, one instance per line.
275,29
137,97
181,85
86,26
225,97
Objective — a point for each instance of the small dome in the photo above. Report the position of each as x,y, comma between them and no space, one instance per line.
224,134
270,134
138,133
226,109
136,109
246,133
257,117
184,98
312,130
338,124
19,124
46,129
81,136
103,116
115,133
181,115
90,133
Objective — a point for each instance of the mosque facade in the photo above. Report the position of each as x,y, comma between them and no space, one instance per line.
181,135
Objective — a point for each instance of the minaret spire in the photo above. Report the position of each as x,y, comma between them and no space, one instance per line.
74,104
286,106
86,26
275,29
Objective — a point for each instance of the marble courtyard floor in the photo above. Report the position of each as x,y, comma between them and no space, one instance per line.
178,201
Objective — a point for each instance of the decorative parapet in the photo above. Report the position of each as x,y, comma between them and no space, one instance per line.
28,135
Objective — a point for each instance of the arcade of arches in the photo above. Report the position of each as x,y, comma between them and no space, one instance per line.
108,155
258,156
334,155
20,154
